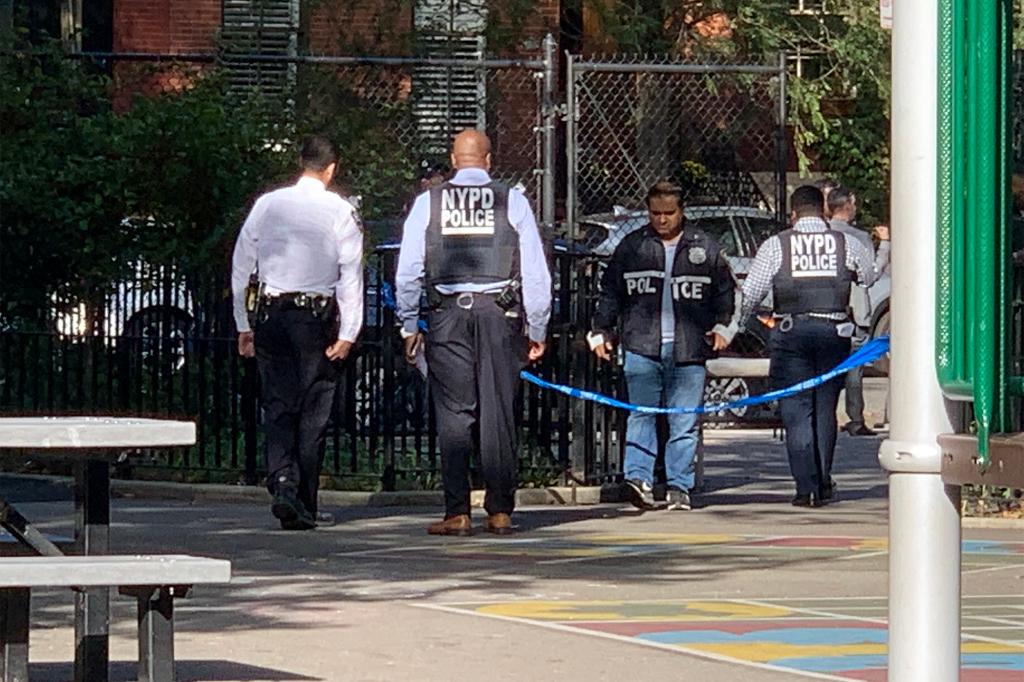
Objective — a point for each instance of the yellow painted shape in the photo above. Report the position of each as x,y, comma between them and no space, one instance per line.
523,550
872,544
632,611
766,652
975,647
661,539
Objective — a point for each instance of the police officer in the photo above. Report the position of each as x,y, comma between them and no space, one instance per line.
473,244
306,244
671,290
841,207
809,269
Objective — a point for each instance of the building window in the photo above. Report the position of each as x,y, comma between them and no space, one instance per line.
446,99
806,63
261,27
808,6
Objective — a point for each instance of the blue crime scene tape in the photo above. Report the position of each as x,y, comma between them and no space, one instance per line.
865,355
868,353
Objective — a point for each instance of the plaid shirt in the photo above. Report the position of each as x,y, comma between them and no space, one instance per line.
769,261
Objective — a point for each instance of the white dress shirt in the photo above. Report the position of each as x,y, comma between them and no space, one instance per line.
302,239
533,264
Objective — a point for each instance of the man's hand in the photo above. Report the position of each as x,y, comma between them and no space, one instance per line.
536,351
413,346
718,341
246,344
604,351
882,232
338,350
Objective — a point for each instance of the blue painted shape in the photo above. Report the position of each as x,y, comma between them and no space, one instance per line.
834,664
987,547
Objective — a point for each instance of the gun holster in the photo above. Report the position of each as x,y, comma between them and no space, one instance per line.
254,293
509,299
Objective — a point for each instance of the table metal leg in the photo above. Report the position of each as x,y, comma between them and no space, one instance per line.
14,614
92,605
156,631
18,526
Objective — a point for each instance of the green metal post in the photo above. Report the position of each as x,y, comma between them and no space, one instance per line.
951,294
983,146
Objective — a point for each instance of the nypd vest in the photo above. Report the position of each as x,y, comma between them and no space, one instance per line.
469,237
813,277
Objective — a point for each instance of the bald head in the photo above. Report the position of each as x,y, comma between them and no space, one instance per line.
471,149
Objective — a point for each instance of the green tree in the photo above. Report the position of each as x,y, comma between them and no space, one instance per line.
839,111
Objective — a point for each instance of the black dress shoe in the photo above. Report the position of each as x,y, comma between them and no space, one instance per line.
808,500
858,430
827,494
290,511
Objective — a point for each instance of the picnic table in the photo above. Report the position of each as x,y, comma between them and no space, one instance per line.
91,444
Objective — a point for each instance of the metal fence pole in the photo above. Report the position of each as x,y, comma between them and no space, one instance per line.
570,147
782,160
549,123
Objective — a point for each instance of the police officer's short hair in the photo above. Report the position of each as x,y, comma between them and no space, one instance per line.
807,200
839,198
317,153
664,188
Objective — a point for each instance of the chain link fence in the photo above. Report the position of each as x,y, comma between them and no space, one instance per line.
392,116
717,130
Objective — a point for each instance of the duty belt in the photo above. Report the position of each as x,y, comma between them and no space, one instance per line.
467,299
299,299
786,319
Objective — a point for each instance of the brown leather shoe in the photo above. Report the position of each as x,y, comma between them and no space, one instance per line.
456,525
499,524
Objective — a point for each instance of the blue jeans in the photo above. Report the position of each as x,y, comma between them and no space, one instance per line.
662,384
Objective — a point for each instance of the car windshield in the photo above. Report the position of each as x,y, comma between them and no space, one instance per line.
762,228
719,227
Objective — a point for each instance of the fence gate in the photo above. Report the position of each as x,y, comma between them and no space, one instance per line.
718,130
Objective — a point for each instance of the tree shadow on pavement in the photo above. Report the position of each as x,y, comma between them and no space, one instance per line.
187,671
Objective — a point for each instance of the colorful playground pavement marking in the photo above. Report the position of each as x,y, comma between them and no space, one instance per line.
549,548
830,638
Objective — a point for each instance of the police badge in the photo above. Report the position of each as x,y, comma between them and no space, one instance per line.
698,255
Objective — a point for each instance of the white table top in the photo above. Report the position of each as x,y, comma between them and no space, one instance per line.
87,571
94,432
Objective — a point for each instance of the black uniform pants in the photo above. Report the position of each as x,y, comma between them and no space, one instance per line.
810,348
474,357
855,396
298,383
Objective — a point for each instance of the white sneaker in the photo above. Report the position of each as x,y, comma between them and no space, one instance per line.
678,500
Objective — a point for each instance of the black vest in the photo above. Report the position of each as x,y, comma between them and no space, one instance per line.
813,277
469,237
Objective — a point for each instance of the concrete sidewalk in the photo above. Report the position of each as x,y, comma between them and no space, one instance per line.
746,586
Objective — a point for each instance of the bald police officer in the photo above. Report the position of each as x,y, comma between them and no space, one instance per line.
809,269
306,244
473,244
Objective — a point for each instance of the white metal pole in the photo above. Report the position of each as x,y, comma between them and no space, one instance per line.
924,520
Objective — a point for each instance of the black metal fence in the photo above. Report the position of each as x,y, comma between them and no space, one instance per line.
165,346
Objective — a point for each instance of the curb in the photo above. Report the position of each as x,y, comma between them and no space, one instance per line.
212,492
992,522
